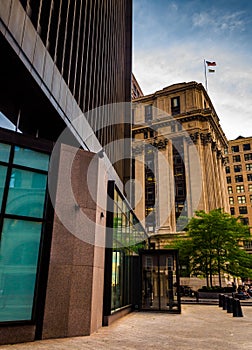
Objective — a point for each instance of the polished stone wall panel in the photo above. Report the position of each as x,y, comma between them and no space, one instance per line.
74,293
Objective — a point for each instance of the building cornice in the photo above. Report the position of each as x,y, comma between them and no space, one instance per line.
199,114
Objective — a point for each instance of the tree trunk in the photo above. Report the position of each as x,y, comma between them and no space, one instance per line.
211,273
219,270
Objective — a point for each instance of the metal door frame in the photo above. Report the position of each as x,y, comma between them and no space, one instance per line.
158,253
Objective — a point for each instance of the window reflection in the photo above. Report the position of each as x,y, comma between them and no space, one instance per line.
18,266
3,171
26,193
21,231
4,152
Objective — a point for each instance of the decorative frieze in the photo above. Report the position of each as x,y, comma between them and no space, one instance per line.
159,142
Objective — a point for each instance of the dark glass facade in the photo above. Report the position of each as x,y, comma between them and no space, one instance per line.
89,43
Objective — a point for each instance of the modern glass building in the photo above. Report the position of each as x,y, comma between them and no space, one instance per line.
60,59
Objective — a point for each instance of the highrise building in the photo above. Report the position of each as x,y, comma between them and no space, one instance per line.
179,157
65,268
239,179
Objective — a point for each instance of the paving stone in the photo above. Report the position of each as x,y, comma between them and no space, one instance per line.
198,327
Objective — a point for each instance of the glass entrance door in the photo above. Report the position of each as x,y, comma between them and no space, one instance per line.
160,280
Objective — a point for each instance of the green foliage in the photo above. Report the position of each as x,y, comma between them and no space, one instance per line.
213,246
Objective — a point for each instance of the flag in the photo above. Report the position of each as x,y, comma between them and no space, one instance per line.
210,63
211,70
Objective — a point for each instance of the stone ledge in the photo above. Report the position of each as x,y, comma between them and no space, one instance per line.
107,320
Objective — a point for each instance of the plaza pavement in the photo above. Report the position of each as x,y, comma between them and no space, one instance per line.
198,327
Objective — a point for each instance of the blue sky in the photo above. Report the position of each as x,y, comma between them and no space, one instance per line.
171,39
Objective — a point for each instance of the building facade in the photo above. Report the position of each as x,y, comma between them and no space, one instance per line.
60,59
136,90
239,179
179,157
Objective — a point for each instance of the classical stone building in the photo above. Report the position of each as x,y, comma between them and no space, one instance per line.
239,179
179,157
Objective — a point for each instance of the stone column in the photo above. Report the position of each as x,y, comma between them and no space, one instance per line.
217,185
223,186
165,190
139,190
196,174
210,188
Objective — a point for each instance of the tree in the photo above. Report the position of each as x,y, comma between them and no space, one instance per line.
214,245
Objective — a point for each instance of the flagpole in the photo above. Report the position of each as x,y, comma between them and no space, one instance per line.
205,74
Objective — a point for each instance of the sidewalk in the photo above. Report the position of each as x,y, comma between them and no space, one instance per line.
199,327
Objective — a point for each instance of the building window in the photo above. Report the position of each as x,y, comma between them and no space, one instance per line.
175,105
228,179
179,126
230,189
237,168
145,134
125,229
249,176
244,221
243,210
226,160
148,113
180,190
235,148
151,133
238,178
225,150
248,156
237,158
250,187
227,169
249,167
231,200
241,199
173,128
247,244
232,211
240,188
246,147
133,116
24,185
150,193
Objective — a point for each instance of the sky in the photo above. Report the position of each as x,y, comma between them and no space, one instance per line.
171,39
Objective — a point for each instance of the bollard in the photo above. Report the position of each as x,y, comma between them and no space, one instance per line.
224,306
230,305
237,310
221,300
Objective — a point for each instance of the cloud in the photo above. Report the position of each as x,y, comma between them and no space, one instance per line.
230,88
219,22
174,37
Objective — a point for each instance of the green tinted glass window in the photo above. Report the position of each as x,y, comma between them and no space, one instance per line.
18,267
30,158
3,171
26,193
4,152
